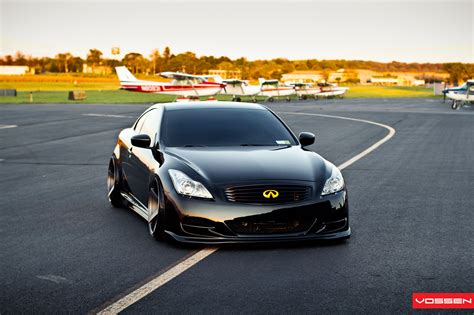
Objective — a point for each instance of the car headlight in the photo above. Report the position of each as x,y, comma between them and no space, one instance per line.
188,187
334,183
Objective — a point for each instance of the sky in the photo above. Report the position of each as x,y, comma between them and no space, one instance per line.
407,31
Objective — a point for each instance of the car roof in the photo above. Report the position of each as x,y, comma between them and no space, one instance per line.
208,104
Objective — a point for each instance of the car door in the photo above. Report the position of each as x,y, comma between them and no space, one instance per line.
142,160
126,150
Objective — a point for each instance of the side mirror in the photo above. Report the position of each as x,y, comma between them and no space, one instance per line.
306,138
141,141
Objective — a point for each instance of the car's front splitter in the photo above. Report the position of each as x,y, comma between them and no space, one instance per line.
260,238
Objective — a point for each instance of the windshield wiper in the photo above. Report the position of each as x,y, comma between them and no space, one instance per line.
256,145
193,145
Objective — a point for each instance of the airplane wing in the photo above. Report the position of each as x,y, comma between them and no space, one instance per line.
297,84
233,81
180,76
268,82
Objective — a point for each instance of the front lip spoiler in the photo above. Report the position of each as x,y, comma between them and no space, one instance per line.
258,239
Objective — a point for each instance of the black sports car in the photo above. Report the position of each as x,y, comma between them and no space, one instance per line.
223,172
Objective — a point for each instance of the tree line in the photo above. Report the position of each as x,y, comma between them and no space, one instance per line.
188,62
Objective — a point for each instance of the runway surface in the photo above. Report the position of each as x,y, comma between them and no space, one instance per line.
64,249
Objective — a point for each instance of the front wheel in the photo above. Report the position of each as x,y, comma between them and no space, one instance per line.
156,225
455,105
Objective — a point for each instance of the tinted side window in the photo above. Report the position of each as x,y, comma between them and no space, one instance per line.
151,124
141,120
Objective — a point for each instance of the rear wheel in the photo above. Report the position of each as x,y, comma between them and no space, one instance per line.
113,185
156,225
270,99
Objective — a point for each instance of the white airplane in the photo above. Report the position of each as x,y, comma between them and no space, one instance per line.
185,85
331,90
464,97
240,88
272,89
303,90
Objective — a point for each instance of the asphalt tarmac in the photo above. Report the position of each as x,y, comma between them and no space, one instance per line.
64,249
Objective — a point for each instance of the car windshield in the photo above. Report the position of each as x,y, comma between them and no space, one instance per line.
224,127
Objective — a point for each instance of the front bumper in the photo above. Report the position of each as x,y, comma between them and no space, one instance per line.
206,222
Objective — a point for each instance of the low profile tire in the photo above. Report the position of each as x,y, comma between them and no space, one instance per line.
113,185
156,226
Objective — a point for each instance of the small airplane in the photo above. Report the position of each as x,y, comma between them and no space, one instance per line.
303,90
331,90
272,89
240,88
461,97
457,89
183,84
236,87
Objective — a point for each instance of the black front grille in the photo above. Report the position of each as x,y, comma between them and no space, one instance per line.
256,194
278,222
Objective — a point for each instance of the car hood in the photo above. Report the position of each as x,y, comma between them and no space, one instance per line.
250,164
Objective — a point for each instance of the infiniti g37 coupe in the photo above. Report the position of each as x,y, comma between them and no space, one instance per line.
221,172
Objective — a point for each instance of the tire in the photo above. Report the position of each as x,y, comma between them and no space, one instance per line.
113,185
156,226
270,99
238,99
455,105
304,97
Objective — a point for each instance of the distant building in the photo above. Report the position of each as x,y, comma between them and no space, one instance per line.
302,77
102,70
15,70
384,80
401,79
227,74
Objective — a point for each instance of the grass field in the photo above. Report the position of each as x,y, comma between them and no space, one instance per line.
105,90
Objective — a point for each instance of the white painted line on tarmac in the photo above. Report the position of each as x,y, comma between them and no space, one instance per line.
7,126
107,115
391,133
184,265
157,282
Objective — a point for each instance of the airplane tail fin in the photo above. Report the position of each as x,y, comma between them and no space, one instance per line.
124,74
